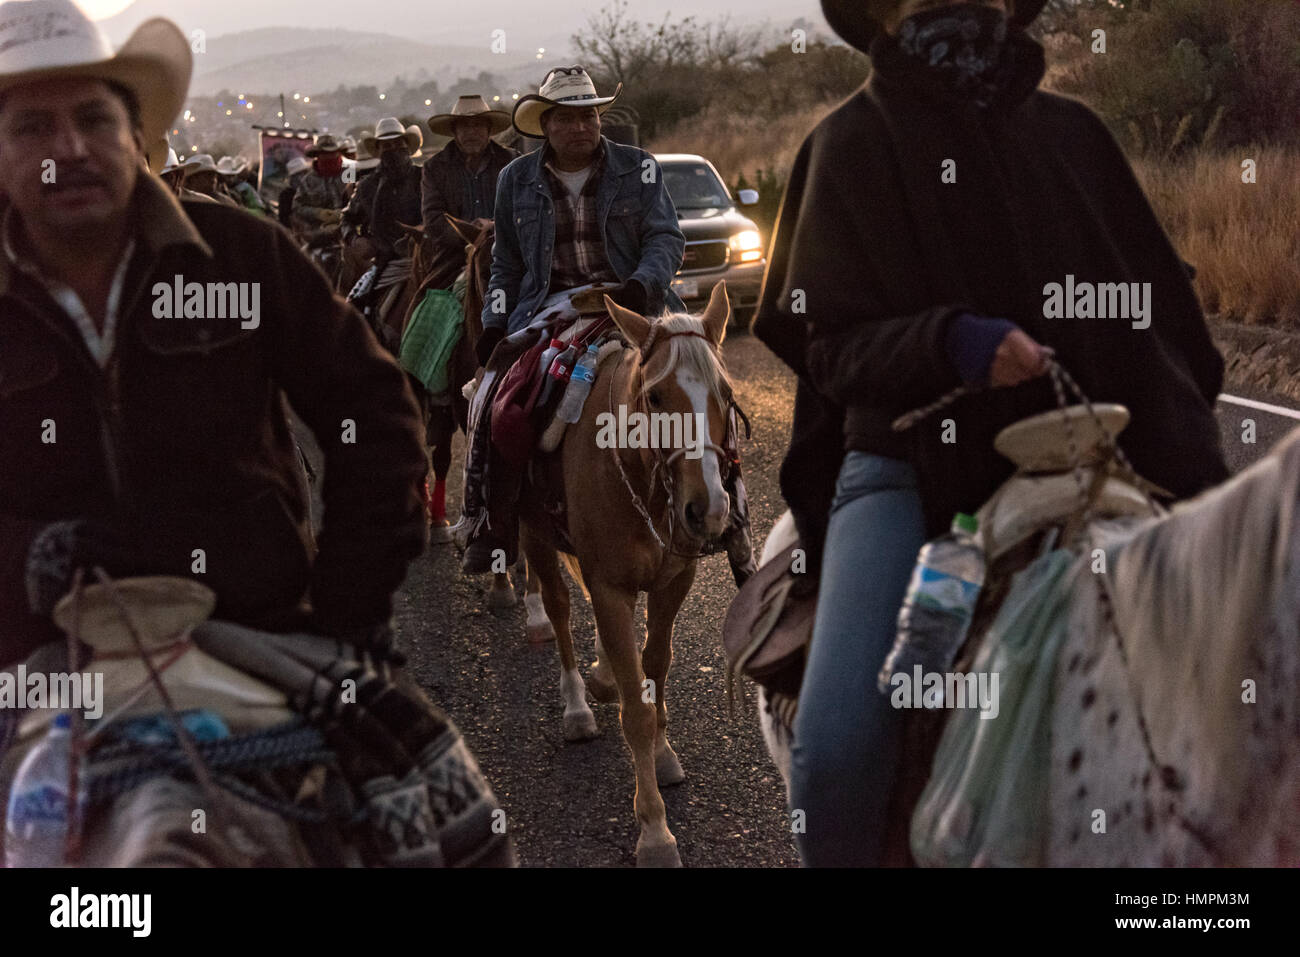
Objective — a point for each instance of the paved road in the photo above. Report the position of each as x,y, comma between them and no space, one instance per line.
571,804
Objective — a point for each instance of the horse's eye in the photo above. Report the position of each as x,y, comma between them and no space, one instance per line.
654,398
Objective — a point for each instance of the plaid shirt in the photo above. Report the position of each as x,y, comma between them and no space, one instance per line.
579,257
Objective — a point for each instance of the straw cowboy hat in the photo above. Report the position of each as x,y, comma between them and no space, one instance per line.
46,39
858,21
349,147
200,163
390,128
231,165
366,157
444,124
173,162
299,164
563,86
414,132
324,144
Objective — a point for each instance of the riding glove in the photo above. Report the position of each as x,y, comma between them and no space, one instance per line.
632,295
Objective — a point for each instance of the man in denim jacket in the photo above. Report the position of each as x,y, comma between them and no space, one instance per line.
580,210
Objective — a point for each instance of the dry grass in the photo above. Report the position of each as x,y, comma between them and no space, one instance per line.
1243,239
743,144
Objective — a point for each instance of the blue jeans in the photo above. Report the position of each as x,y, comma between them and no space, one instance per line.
846,733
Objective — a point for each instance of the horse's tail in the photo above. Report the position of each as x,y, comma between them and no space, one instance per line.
575,572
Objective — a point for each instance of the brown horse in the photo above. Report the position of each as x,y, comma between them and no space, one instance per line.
636,520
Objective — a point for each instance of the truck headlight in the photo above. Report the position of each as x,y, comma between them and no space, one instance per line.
748,244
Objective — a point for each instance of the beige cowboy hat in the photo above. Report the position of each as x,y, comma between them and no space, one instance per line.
858,21
299,164
45,39
414,132
366,157
325,143
173,162
200,163
390,128
563,86
231,165
444,124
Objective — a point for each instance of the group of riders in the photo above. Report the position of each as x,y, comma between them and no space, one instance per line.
888,284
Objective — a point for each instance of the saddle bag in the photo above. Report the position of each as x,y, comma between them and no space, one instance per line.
769,626
514,433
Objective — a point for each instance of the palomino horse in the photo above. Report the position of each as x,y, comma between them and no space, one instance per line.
636,521
1177,714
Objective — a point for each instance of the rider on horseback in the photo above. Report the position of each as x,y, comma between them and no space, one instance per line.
461,179
385,200
922,222
320,198
580,210
174,454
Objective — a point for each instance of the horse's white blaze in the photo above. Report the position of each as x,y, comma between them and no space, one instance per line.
698,392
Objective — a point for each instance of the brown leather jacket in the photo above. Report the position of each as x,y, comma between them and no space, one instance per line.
184,442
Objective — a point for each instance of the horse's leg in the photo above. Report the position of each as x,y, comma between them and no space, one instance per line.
539,625
442,426
579,721
614,609
661,610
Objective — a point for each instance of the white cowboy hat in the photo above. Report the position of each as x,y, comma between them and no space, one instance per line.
299,164
45,39
413,131
349,146
173,162
366,158
390,128
231,165
444,124
563,86
199,163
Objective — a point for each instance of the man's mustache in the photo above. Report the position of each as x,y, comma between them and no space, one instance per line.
75,178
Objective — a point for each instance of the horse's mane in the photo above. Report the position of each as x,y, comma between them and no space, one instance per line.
1198,594
693,354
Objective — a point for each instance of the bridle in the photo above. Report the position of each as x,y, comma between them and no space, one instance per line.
661,466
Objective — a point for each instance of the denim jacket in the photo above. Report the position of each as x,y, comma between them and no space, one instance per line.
638,220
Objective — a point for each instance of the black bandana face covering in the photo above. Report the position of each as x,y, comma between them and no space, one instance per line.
964,44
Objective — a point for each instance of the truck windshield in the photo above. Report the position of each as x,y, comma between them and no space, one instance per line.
695,186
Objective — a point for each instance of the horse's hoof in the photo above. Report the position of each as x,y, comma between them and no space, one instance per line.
668,770
440,533
501,598
541,633
602,686
580,726
657,855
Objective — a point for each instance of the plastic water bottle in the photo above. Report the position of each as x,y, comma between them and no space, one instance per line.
575,396
548,356
940,603
560,370
36,826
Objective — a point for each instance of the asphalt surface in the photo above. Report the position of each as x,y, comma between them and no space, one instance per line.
571,804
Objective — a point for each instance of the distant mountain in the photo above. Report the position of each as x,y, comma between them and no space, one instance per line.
286,58
438,22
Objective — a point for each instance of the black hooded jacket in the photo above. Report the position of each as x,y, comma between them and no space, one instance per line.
875,254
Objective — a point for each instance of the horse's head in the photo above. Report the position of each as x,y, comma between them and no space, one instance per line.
685,395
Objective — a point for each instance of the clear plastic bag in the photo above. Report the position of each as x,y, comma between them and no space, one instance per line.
986,800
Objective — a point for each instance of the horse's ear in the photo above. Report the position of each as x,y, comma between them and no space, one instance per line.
633,326
465,230
717,314
415,232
